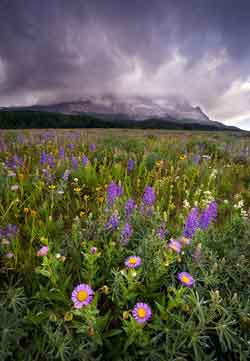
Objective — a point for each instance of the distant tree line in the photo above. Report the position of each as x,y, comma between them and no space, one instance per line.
25,119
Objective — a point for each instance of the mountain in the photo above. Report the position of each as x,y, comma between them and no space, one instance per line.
136,111
136,108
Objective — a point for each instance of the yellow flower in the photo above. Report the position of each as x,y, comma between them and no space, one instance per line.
33,213
82,214
86,197
26,210
98,189
77,189
100,199
183,157
52,187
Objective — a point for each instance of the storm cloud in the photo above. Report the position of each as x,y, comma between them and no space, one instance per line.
55,50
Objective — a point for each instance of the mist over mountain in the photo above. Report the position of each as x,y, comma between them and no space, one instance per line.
112,110
136,108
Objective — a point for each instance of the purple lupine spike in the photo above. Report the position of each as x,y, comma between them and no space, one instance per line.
113,222
126,233
10,230
129,207
51,161
43,159
92,147
149,196
208,215
191,224
61,153
113,191
131,165
71,146
74,162
85,160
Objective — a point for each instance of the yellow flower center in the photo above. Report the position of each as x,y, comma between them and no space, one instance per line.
82,296
185,279
132,260
141,312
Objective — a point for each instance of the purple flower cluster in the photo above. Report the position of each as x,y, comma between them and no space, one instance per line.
47,159
131,165
92,147
74,162
149,196
162,232
85,160
14,162
114,191
113,222
61,153
208,215
43,159
192,223
129,207
10,231
126,233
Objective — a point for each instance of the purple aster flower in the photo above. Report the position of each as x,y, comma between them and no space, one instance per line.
66,175
126,233
43,251
149,196
174,245
131,165
208,215
133,261
74,162
10,231
92,147
85,160
114,191
129,207
186,279
191,224
71,146
113,222
142,312
82,295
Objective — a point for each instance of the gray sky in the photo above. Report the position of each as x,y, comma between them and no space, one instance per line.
55,50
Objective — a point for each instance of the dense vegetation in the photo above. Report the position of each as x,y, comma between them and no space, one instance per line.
128,247
21,119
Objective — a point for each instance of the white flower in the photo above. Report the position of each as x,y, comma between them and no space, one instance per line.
15,187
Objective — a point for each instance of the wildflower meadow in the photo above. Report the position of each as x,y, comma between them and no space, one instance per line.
124,245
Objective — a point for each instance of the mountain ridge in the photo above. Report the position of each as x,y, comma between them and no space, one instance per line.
133,110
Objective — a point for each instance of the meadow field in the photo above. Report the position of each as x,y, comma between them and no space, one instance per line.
124,245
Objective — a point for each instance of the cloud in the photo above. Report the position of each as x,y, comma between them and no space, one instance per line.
57,49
